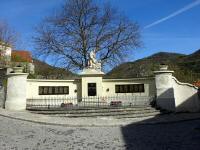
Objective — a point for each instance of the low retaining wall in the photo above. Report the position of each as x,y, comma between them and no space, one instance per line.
186,97
173,95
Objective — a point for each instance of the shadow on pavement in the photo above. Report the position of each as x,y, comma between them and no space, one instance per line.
162,136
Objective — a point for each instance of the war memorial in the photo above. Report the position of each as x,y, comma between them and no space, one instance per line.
90,89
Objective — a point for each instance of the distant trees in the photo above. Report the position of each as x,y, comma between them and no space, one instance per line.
82,26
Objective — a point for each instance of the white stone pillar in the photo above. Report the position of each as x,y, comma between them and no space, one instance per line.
16,91
164,89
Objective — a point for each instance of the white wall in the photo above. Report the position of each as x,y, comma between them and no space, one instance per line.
149,86
186,97
33,92
102,86
84,86
33,88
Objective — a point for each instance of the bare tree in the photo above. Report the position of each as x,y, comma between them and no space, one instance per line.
82,26
7,35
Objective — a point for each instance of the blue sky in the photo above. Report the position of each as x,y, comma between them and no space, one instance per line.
179,34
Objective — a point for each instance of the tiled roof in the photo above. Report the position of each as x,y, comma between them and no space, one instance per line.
21,56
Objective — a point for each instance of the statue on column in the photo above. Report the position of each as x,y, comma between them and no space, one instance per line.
93,63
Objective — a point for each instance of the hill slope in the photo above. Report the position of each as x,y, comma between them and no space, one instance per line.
46,71
186,67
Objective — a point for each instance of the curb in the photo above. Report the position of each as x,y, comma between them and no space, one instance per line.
142,122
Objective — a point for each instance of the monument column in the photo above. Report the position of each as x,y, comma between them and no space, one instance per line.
16,91
164,89
91,77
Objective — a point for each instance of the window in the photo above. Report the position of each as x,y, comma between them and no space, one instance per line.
53,90
129,88
92,89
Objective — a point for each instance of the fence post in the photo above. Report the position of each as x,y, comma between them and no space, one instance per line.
84,101
98,101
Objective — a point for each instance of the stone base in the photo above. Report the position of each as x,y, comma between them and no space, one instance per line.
15,105
91,71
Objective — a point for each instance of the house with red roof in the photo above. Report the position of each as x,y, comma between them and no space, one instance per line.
197,83
11,58
21,56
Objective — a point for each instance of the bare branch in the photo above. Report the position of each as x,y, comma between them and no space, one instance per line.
7,35
81,26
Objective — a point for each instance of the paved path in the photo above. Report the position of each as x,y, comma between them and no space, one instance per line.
23,135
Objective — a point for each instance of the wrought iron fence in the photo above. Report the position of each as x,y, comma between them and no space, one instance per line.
87,102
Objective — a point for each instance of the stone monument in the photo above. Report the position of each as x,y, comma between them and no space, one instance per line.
92,75
93,63
94,66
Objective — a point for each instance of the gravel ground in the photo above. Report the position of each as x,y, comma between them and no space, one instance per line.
21,135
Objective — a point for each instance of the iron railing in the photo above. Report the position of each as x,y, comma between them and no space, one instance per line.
88,102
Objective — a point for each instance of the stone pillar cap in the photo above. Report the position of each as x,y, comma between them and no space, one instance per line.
15,74
90,71
163,69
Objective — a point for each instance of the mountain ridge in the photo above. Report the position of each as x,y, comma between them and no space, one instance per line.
186,67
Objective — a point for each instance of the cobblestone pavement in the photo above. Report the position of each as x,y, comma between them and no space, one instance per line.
21,135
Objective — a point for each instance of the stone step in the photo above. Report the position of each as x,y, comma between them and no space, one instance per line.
120,113
99,110
79,108
118,116
138,115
